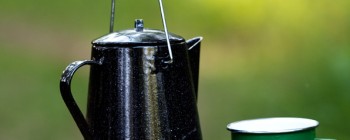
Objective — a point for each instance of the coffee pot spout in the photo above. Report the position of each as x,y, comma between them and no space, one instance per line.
194,43
194,46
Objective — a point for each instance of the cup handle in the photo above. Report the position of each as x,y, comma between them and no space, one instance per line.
66,93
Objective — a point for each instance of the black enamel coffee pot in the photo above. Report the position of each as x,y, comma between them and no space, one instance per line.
135,90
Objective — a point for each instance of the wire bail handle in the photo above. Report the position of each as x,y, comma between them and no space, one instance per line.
164,26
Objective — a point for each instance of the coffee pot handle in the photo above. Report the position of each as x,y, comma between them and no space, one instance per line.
66,93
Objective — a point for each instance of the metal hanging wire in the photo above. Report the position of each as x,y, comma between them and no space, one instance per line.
166,32
111,27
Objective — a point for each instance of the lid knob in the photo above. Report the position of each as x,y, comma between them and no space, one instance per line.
139,25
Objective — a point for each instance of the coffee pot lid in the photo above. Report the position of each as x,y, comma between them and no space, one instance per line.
138,36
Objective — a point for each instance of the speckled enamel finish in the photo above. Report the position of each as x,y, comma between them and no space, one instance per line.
133,94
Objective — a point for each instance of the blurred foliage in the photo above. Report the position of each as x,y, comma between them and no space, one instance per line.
260,58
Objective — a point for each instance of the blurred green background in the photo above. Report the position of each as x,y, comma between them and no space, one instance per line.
260,58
